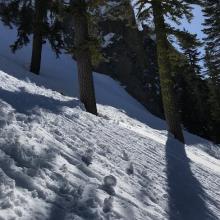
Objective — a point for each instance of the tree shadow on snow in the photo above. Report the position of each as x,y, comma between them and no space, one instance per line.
187,199
23,101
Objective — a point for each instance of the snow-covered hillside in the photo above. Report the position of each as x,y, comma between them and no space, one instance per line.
46,138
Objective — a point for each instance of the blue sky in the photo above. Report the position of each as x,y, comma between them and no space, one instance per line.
196,25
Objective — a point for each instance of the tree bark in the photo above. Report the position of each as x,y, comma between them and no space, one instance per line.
83,56
166,82
37,37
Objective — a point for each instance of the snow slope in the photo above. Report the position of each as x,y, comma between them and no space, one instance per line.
44,136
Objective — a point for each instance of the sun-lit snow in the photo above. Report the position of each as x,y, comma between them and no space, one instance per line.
46,136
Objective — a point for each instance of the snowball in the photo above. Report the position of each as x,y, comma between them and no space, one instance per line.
110,181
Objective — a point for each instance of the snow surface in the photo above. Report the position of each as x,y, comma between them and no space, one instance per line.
45,135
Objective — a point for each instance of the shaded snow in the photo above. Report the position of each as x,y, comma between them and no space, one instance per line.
44,135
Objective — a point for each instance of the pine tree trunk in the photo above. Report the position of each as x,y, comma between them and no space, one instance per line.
83,57
37,37
166,81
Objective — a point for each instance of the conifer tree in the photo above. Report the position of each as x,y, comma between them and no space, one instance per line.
18,13
211,10
85,42
37,18
83,56
191,92
190,44
40,14
79,9
174,10
214,96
